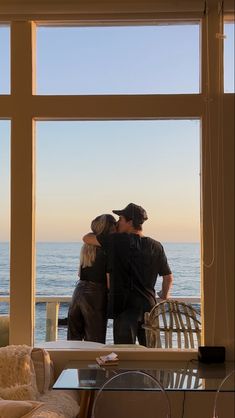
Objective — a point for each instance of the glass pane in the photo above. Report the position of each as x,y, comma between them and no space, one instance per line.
4,59
118,60
4,218
88,168
229,57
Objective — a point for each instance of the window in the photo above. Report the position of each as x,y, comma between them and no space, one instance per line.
229,57
216,202
5,59
118,60
86,168
4,213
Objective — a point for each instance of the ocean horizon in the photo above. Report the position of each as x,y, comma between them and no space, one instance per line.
56,275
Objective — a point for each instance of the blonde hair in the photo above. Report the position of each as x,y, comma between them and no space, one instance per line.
99,225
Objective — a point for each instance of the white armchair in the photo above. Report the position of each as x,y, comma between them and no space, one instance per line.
26,379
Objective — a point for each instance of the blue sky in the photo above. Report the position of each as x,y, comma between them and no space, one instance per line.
86,168
229,60
112,60
4,60
161,59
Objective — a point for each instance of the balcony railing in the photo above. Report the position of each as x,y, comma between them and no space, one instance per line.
53,304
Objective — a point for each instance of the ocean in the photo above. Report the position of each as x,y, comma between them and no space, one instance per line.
56,275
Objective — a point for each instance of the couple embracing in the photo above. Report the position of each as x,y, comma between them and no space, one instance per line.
119,267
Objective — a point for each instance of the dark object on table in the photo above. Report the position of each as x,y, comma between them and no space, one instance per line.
208,354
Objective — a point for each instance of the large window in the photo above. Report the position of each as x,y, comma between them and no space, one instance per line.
88,168
84,167
118,60
149,75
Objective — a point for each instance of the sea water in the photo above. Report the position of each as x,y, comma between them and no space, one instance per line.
57,269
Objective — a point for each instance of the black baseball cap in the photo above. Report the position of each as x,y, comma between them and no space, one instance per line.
133,212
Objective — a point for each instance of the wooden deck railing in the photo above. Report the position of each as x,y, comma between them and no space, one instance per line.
53,304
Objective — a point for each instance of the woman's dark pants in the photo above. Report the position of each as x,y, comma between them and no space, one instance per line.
87,316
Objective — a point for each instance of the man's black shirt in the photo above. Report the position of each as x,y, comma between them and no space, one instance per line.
134,262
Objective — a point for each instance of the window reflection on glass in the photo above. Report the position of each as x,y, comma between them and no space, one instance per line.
4,59
4,213
229,57
118,60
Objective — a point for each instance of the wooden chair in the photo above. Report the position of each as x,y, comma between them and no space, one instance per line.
172,324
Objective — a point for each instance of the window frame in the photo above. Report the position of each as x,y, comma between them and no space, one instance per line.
116,107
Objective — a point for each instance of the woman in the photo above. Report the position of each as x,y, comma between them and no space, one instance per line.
87,316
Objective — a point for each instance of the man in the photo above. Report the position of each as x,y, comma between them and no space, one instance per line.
134,261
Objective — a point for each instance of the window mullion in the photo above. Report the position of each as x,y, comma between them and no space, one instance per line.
22,186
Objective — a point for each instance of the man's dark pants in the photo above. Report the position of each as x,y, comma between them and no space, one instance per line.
127,326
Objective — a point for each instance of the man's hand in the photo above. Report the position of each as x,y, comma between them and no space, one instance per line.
91,239
166,287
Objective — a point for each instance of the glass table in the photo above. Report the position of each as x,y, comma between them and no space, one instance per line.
88,377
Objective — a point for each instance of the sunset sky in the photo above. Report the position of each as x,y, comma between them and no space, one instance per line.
85,168
106,165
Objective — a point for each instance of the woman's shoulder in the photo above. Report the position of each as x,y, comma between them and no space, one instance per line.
100,252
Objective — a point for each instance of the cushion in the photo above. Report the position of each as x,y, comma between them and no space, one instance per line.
43,369
58,404
17,374
18,409
19,392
